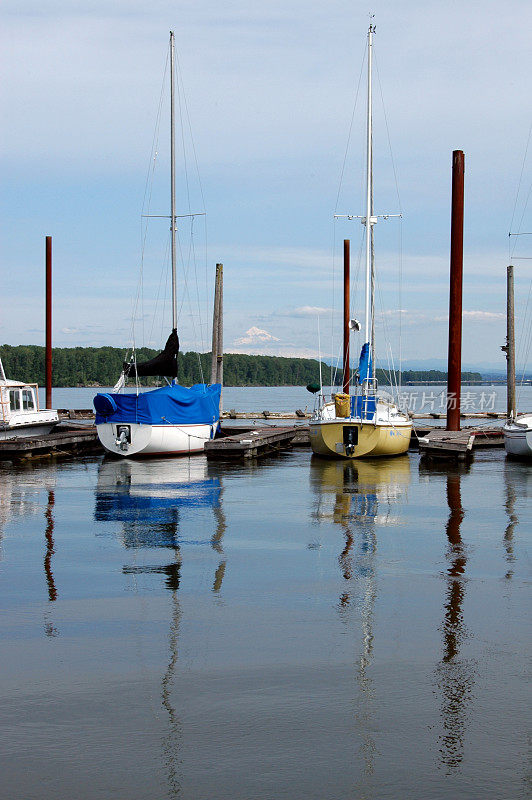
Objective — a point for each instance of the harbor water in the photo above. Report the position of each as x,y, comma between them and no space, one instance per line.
418,399
291,628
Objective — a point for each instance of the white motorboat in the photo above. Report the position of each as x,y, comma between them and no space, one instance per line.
20,414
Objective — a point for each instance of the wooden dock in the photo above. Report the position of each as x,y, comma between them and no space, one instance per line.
66,440
243,441
440,443
447,444
252,443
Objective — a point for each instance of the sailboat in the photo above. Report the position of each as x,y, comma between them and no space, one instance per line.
171,420
518,429
361,424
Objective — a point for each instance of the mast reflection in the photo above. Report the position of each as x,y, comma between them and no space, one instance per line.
358,496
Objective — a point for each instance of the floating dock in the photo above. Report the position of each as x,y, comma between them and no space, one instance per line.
66,440
242,441
440,443
252,443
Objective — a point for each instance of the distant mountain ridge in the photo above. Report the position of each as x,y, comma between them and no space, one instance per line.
101,366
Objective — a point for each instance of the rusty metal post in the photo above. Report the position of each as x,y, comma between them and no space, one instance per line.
346,317
48,351
454,362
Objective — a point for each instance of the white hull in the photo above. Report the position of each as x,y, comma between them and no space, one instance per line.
25,424
20,415
518,437
155,440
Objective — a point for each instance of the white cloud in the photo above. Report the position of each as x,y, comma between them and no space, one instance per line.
484,316
304,311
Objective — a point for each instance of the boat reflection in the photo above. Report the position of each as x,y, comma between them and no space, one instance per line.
158,504
147,497
517,489
150,498
20,496
358,496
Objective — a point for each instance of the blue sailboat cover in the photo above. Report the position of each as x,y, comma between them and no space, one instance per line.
364,407
170,405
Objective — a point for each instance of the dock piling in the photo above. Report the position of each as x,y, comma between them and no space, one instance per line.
454,368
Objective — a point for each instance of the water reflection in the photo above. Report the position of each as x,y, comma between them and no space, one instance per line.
149,499
455,674
20,495
49,627
359,496
517,488
50,550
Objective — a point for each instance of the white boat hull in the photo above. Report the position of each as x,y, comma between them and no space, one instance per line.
154,440
23,425
518,437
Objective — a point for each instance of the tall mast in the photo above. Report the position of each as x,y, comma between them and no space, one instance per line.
369,190
172,182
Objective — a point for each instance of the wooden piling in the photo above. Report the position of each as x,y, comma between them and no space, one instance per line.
454,367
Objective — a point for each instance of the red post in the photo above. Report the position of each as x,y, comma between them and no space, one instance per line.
346,316
48,363
454,362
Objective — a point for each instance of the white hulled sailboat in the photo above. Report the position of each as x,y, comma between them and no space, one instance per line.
172,420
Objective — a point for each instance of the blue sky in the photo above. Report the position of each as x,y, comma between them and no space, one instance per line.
270,90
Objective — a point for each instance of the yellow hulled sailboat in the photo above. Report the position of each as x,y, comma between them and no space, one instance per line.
359,423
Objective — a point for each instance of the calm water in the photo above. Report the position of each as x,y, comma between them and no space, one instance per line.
419,399
290,629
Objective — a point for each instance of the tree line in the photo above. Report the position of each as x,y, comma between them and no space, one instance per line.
101,366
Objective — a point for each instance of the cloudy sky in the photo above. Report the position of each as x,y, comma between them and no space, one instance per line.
270,90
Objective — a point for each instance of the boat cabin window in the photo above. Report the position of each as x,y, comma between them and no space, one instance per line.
14,400
28,400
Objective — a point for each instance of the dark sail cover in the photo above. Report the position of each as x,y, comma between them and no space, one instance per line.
163,364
